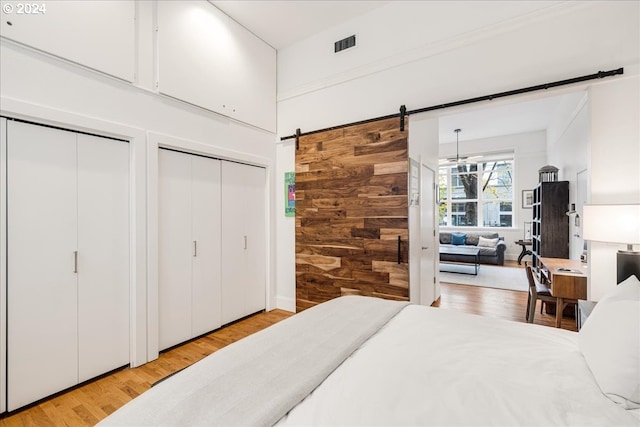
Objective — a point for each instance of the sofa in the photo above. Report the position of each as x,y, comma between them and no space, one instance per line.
492,246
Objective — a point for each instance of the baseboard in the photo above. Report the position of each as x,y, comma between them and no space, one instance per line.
284,303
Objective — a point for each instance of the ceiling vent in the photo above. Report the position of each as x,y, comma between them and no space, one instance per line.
343,44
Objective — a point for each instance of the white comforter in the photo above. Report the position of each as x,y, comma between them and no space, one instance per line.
430,366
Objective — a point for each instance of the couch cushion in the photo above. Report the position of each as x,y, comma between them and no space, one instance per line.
458,238
487,251
445,238
487,243
472,238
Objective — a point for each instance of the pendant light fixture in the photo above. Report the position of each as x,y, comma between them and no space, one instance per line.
457,159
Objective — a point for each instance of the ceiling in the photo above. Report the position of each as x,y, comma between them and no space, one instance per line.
505,119
282,23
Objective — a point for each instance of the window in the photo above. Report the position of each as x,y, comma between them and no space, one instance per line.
477,193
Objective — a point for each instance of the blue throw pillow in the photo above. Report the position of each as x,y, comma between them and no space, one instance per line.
458,238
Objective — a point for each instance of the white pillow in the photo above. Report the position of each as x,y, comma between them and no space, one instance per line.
610,343
487,243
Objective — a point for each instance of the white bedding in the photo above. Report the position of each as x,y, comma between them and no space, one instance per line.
354,361
257,380
431,366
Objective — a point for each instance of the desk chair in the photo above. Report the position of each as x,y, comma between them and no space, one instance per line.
537,291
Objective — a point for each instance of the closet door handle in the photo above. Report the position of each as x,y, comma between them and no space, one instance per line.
75,261
195,248
245,242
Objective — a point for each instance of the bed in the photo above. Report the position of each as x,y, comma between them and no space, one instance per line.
367,361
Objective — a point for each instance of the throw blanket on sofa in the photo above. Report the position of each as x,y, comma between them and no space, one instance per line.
257,380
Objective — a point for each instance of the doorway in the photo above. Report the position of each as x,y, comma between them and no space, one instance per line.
428,280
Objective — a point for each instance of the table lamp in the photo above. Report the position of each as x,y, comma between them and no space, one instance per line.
615,224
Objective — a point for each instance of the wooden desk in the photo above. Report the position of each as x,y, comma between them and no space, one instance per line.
564,285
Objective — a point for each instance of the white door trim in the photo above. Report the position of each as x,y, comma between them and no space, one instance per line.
137,201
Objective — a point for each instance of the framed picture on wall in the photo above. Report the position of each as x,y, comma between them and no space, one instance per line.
527,198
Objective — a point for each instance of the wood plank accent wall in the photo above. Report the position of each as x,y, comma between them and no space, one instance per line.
351,206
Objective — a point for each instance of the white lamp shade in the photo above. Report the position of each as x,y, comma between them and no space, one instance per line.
611,223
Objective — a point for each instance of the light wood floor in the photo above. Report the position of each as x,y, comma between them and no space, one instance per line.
93,401
499,303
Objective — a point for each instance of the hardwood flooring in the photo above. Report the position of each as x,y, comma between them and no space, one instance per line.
499,303
88,403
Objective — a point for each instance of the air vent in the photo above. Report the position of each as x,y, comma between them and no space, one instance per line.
344,43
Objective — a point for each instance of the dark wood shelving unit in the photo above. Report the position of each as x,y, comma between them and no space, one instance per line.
550,228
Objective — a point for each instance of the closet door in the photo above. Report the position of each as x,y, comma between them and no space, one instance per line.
243,240
103,255
175,248
205,216
41,275
255,230
3,265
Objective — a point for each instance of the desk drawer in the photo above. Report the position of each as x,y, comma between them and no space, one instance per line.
570,287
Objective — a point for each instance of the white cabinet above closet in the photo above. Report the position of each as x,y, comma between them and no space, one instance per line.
207,59
67,259
97,34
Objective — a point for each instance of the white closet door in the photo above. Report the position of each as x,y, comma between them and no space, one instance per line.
3,265
175,248
103,255
41,282
243,240
255,229
205,297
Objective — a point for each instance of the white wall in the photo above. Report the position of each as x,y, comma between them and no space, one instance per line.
498,51
614,164
401,32
529,151
285,232
423,148
44,88
567,149
426,53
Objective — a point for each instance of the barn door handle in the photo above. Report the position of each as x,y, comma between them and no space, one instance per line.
75,261
195,248
245,242
399,252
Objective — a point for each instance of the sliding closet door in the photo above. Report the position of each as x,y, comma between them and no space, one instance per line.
103,255
243,240
205,215
189,246
175,248
41,274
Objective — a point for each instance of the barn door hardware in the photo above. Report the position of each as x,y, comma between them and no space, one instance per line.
399,251
404,112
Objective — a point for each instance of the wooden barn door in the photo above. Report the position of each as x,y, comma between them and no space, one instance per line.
352,213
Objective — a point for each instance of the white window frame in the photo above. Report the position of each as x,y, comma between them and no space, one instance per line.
479,200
